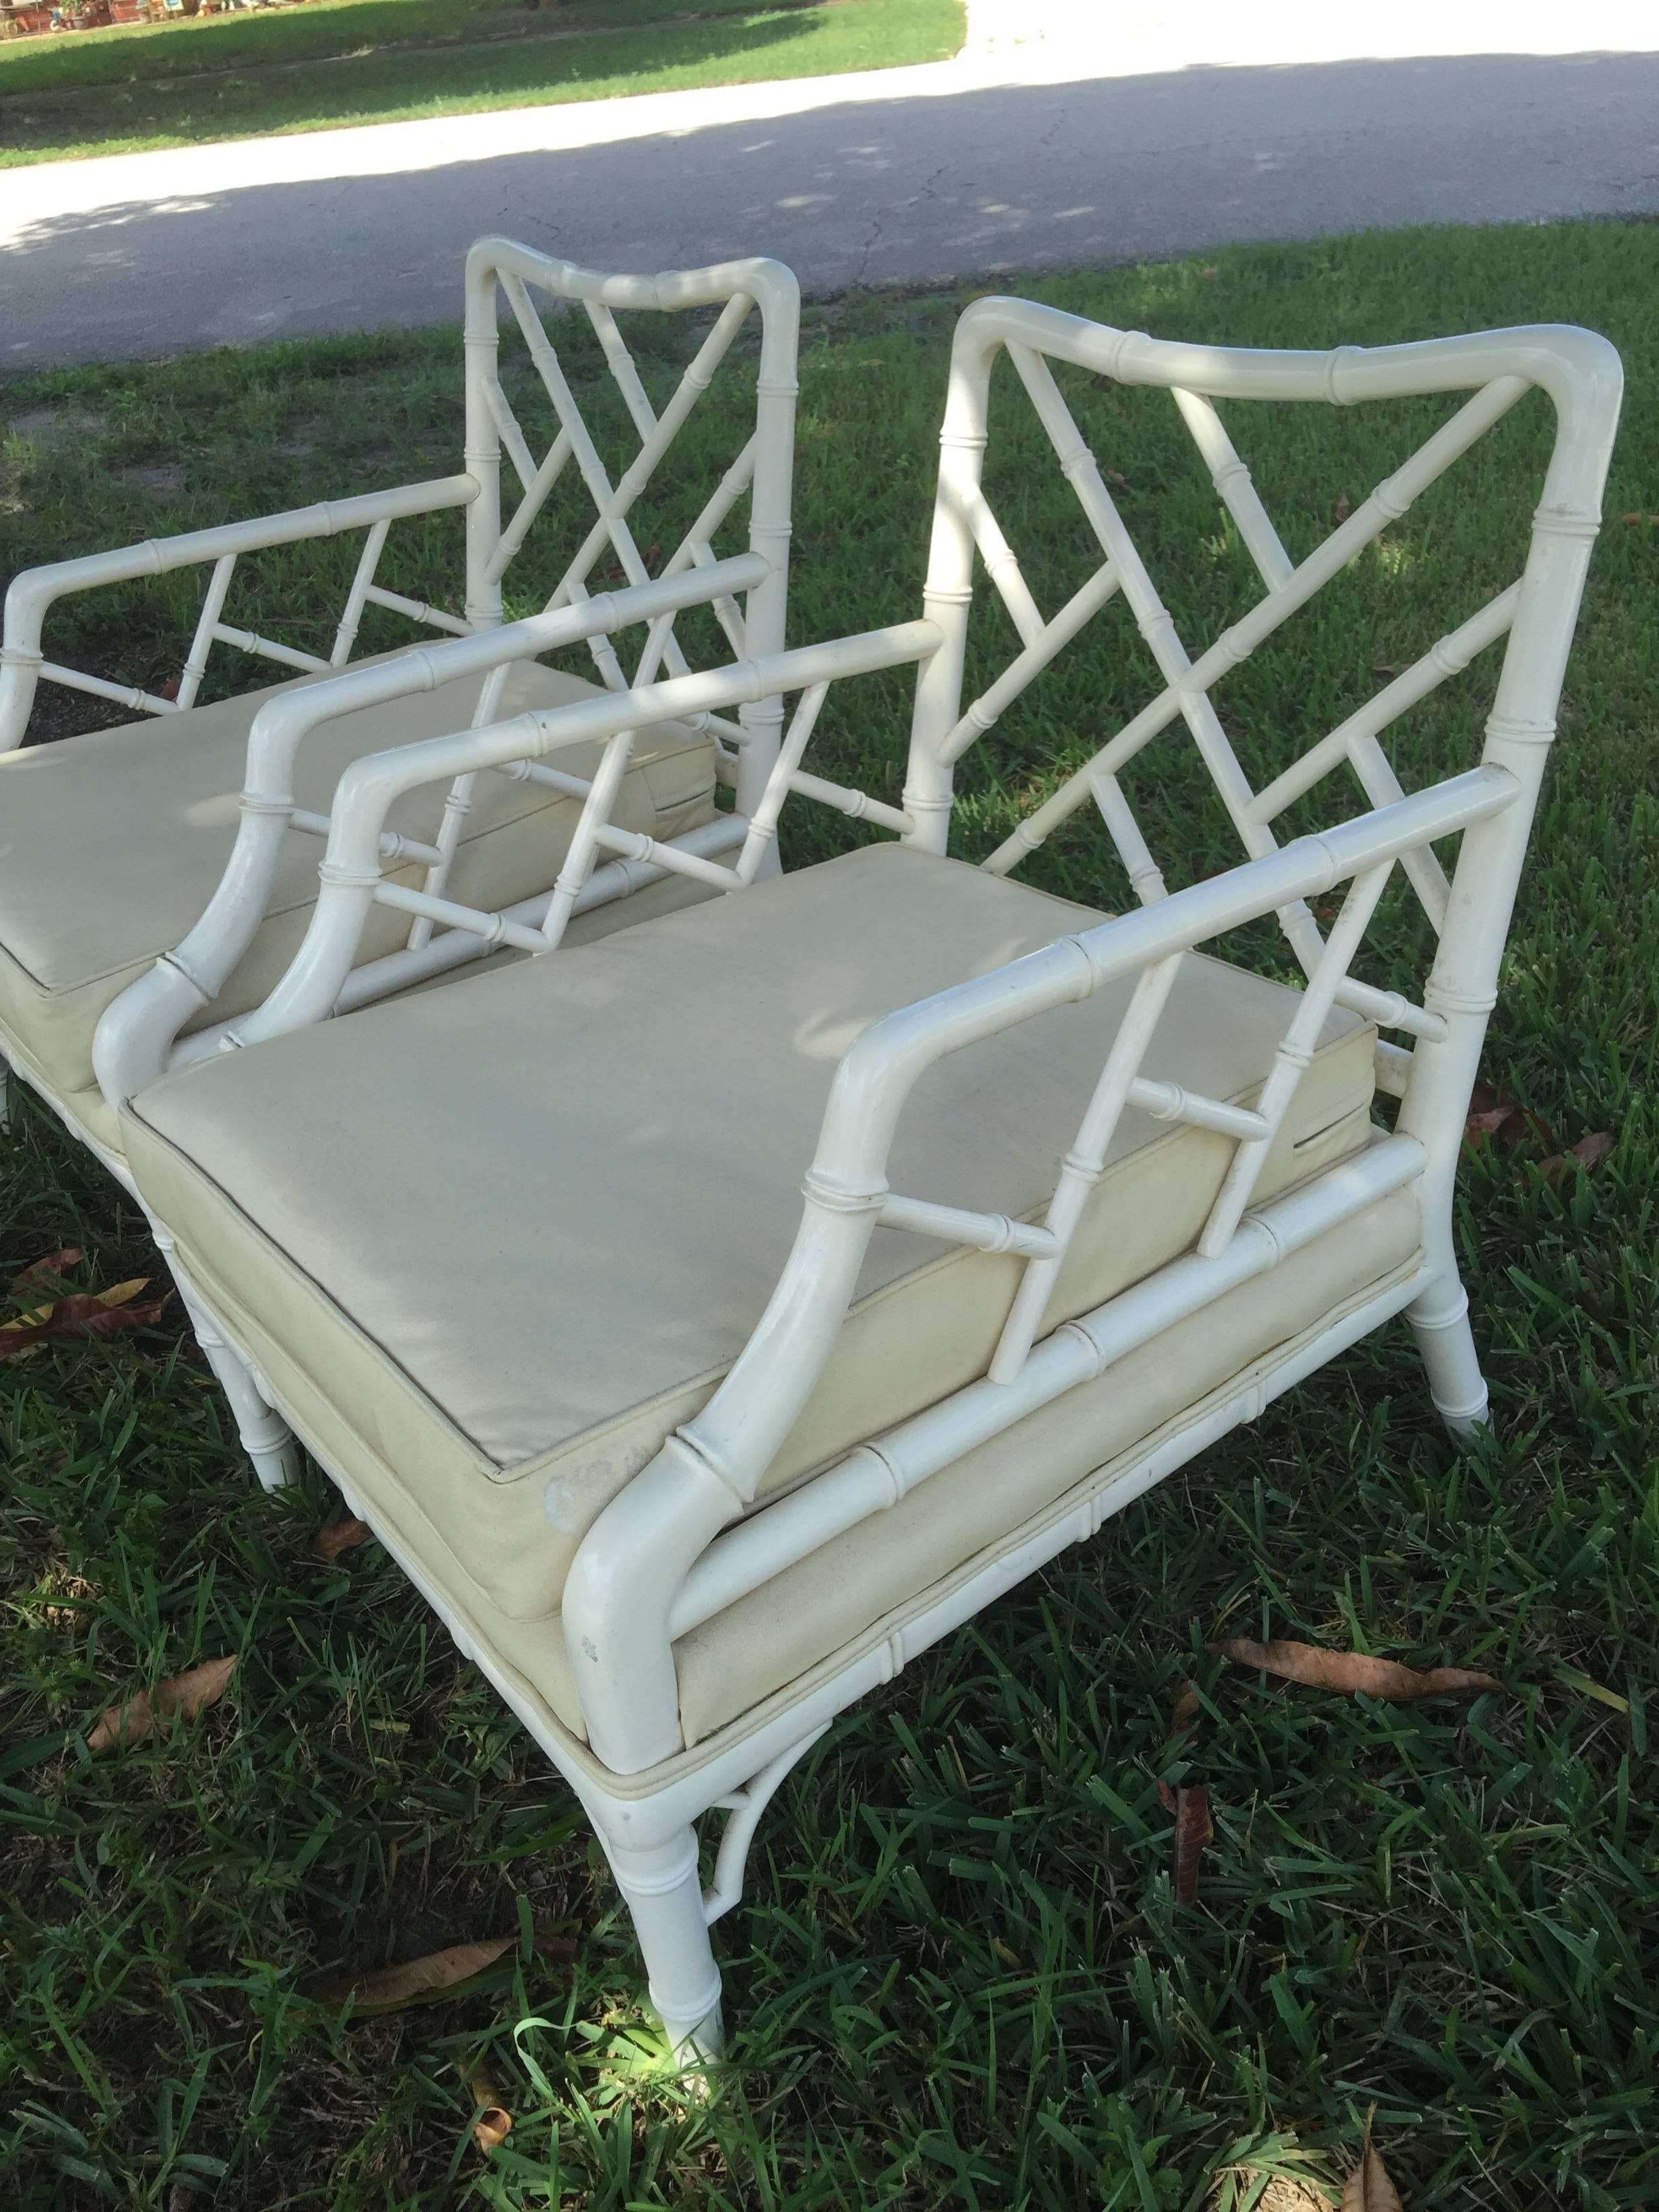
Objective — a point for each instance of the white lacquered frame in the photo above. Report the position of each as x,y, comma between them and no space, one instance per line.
748,593
497,271
686,1538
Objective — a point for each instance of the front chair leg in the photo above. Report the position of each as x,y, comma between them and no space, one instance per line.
665,1897
1440,1318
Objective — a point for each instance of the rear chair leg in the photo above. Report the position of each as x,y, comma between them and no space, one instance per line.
1441,1318
265,1436
665,1898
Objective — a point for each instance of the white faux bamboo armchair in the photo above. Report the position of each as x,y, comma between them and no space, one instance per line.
689,1453
111,843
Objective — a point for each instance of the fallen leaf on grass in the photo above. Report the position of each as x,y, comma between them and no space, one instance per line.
1191,1806
1186,1711
418,1981
52,1269
342,1537
188,1693
1368,2188
1353,1671
452,1973
494,2122
1495,1114
82,1313
1343,508
1641,518
1589,1152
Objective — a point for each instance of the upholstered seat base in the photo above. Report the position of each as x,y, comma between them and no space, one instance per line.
744,1667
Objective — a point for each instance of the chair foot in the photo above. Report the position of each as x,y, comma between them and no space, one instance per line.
1441,1320
665,1897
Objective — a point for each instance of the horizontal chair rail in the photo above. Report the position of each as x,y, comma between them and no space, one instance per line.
880,1472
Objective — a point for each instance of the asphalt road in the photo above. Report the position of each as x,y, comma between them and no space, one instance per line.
910,176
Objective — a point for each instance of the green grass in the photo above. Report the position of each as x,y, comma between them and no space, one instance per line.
960,1977
338,62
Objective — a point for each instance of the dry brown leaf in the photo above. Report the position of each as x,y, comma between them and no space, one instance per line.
1186,1711
188,1694
342,1537
52,1269
1589,1152
1343,508
494,2122
1116,477
1192,1832
1386,668
418,1981
1495,1114
1491,1114
1368,2188
1355,1671
82,1313
1209,272
1643,518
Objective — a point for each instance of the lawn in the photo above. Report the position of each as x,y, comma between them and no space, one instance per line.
337,61
960,1977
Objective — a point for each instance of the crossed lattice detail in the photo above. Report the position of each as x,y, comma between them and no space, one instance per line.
1187,683
610,535
1325,961
603,861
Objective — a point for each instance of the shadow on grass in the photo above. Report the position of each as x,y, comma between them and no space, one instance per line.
894,189
387,81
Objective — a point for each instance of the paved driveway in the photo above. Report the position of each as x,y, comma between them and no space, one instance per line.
1044,155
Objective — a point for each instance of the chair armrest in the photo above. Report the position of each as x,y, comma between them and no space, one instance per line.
350,869
137,1031
33,592
624,1584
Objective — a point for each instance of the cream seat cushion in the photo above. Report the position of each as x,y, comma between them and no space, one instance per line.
491,1245
111,844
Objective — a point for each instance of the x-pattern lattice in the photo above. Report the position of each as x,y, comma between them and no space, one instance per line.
1187,682
597,843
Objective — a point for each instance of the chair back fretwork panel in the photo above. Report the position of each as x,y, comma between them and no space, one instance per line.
968,533
591,537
